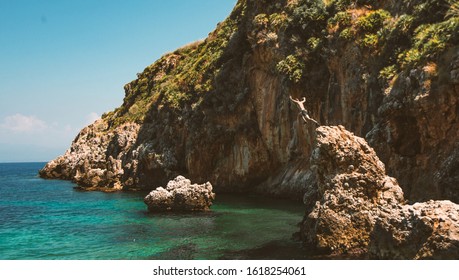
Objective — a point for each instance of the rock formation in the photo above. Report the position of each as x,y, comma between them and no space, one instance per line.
352,189
428,230
218,110
180,195
97,158
360,209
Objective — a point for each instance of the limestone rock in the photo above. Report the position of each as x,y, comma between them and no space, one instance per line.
351,185
360,209
180,195
428,230
94,160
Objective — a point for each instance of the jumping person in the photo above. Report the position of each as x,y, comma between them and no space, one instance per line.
303,111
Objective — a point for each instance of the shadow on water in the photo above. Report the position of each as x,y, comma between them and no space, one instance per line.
287,250
273,250
182,252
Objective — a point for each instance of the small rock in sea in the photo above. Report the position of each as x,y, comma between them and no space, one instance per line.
180,195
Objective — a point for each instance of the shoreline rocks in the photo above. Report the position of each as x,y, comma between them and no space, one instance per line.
180,195
359,208
96,159
428,230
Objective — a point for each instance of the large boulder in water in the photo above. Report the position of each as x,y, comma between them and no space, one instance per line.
180,195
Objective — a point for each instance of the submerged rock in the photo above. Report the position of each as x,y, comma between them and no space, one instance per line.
180,195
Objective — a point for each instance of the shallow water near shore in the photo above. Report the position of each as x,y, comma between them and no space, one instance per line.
49,219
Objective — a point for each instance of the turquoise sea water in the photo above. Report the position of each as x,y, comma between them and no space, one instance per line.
49,219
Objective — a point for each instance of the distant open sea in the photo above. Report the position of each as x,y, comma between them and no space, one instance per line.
49,219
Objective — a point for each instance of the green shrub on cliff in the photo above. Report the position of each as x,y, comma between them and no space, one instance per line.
347,34
429,41
372,26
453,9
309,16
261,21
414,40
340,20
266,27
343,5
372,21
370,41
292,68
278,21
387,73
366,27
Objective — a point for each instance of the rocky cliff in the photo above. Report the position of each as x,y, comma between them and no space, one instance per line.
218,110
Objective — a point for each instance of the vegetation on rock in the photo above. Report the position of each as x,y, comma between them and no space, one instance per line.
184,75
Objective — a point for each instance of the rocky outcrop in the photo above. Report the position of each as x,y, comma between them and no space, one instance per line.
180,195
359,209
352,191
97,158
428,230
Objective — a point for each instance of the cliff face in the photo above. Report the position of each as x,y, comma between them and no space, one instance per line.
218,110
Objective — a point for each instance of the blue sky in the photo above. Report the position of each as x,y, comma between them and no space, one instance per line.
64,62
